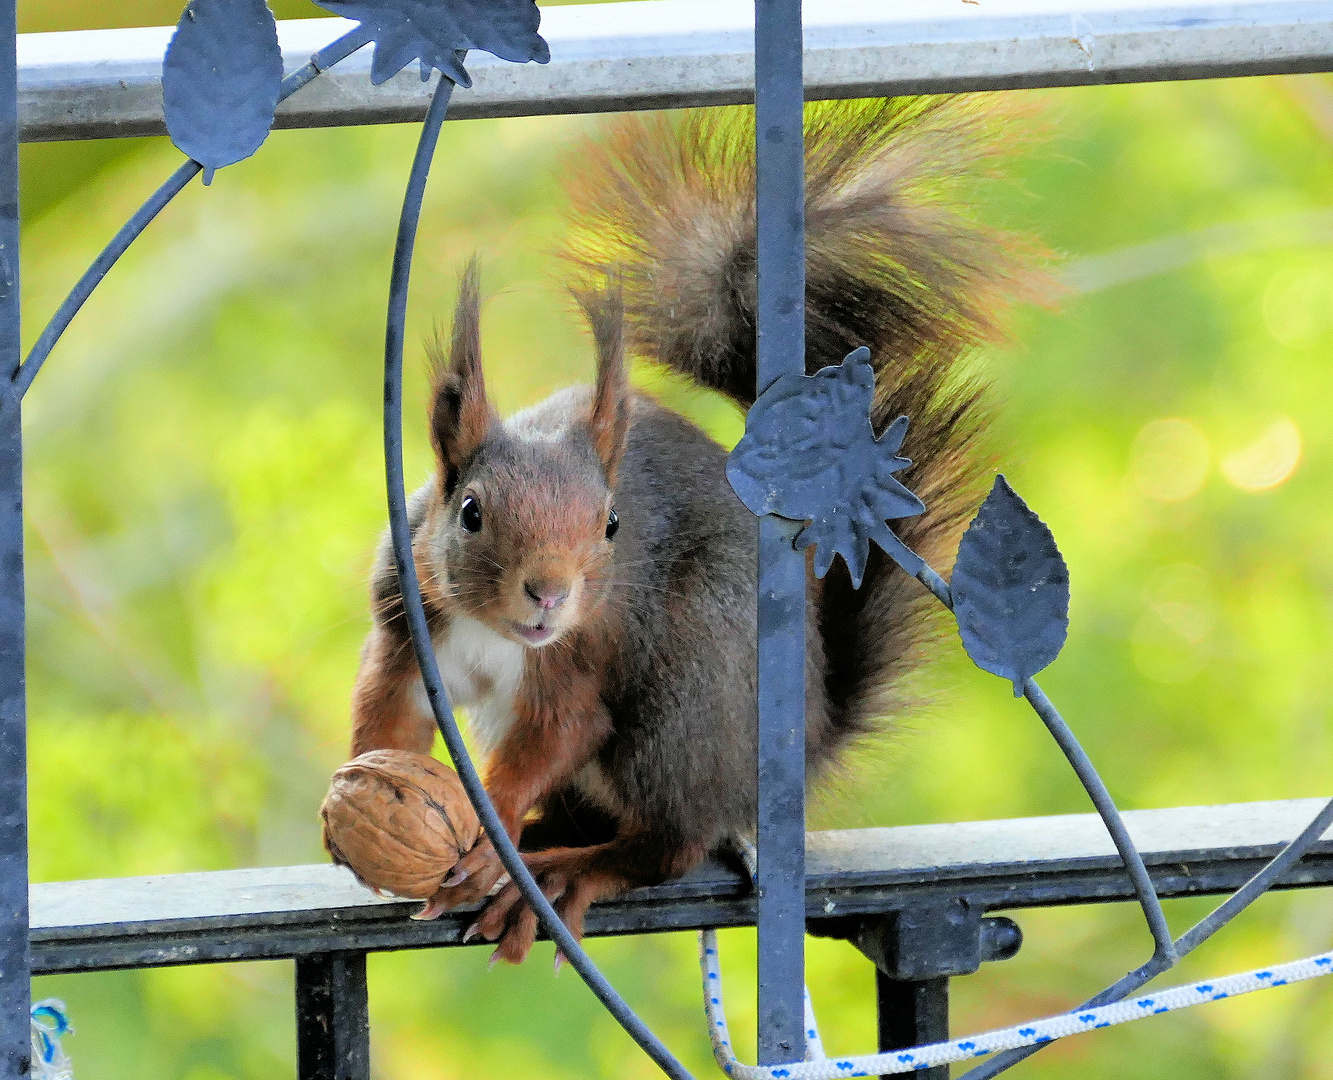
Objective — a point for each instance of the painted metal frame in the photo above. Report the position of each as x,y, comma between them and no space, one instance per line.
653,54
852,875
917,900
1010,589
780,877
15,969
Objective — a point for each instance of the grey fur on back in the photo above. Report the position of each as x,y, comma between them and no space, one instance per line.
684,689
664,208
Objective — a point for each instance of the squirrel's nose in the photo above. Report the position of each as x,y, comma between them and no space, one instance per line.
545,594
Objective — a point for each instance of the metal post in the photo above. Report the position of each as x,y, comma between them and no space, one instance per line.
915,950
332,1017
913,1012
779,99
15,969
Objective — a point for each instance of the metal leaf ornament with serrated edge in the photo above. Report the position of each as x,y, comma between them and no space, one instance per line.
438,32
220,81
809,453
1010,589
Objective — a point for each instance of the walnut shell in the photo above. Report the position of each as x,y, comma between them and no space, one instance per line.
399,821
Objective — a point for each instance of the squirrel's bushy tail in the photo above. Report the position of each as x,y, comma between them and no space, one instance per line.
664,205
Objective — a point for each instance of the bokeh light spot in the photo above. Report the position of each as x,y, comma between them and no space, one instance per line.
1169,459
1171,640
1268,461
1297,304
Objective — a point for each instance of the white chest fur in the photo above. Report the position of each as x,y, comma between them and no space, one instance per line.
481,671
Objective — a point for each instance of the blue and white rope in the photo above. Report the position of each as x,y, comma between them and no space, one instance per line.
1029,1034
49,1025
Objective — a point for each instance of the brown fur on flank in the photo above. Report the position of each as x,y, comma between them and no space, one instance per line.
610,675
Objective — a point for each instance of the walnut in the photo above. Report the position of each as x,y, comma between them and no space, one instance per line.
399,821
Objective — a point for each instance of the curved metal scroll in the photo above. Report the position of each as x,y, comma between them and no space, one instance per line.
156,203
505,27
805,419
416,615
1010,596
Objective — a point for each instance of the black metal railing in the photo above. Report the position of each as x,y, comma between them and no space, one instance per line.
780,197
15,976
921,902
919,931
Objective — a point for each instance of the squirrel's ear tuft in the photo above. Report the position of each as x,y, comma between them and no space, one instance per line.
460,413
608,423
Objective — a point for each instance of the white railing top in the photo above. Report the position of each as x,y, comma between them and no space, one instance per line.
672,53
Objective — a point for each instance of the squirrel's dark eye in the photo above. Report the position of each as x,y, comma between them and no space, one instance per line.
470,516
612,524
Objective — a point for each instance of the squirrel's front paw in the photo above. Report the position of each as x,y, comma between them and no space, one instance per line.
509,920
565,880
470,881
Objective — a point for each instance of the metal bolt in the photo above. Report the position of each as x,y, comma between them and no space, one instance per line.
1001,938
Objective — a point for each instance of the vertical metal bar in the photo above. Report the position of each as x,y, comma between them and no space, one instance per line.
780,194
332,1017
781,878
15,970
912,1013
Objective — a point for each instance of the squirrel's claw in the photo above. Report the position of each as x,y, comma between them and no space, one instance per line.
472,879
509,920
432,909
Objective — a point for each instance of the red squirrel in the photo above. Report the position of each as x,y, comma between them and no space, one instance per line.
587,572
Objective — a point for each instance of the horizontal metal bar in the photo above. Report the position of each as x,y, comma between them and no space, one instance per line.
672,53
994,865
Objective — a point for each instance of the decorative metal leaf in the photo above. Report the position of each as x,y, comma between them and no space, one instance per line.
1010,589
221,80
438,32
810,453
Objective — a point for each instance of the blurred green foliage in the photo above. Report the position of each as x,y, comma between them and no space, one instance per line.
205,487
